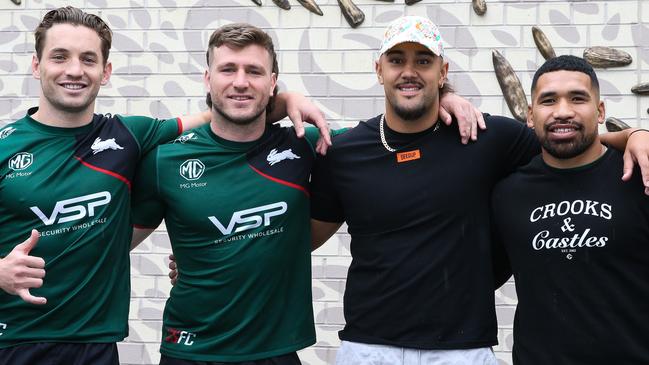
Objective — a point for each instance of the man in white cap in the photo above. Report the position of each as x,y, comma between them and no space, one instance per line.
420,288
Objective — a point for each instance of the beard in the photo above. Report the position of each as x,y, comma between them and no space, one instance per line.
239,120
59,103
413,113
568,149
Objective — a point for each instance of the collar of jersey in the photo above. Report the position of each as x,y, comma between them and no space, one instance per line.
48,129
233,145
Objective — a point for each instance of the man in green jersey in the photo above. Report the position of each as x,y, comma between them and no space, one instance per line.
65,176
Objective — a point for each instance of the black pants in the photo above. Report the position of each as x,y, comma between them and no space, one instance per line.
288,359
49,353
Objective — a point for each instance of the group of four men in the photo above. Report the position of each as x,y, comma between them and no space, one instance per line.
236,196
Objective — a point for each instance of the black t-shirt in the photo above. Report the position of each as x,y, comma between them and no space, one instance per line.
420,275
578,242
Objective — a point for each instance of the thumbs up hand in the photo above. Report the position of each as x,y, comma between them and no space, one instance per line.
20,272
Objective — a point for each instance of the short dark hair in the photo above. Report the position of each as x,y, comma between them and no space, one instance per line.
567,63
240,35
74,16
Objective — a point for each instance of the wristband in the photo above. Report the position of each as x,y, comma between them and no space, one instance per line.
637,130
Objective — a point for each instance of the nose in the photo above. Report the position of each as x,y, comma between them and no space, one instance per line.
563,110
409,69
74,68
240,79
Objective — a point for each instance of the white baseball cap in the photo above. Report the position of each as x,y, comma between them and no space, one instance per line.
415,29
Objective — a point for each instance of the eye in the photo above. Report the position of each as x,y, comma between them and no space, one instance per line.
89,60
423,61
579,99
57,57
547,101
395,60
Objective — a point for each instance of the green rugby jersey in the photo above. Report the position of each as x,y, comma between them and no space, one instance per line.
238,219
73,186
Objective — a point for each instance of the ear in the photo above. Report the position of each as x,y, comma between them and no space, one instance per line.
601,112
530,117
36,72
379,70
443,74
273,83
108,70
206,79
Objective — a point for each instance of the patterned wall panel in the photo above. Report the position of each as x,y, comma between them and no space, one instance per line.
158,57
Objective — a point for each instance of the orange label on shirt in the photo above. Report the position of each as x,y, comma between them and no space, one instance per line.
408,156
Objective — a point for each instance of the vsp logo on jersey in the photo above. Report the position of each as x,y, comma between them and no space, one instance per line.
21,161
83,206
3,326
192,169
250,218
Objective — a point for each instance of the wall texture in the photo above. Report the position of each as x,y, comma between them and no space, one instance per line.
158,62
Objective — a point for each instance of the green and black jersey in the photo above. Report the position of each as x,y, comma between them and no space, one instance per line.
73,186
238,219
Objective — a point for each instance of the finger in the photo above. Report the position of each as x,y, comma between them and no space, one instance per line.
173,274
627,169
29,243
174,281
643,162
481,122
172,265
325,132
172,257
34,273
296,117
29,298
31,283
445,116
33,262
321,147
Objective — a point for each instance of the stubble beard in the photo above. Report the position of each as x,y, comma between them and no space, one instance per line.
566,150
241,121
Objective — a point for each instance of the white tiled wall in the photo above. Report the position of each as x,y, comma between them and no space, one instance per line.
158,58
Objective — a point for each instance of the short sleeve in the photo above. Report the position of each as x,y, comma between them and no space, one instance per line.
147,208
325,202
151,132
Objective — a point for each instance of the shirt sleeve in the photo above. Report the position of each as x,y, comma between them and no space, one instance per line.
519,143
147,208
151,132
325,202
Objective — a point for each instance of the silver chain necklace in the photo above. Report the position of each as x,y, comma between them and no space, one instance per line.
382,133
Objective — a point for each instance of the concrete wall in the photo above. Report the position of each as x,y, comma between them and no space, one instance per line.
158,60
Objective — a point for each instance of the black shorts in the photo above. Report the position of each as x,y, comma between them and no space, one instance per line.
52,353
288,359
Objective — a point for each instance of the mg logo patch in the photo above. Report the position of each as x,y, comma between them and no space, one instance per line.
192,169
21,161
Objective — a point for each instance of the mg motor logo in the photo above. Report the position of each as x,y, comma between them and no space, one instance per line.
250,218
21,161
80,207
192,169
